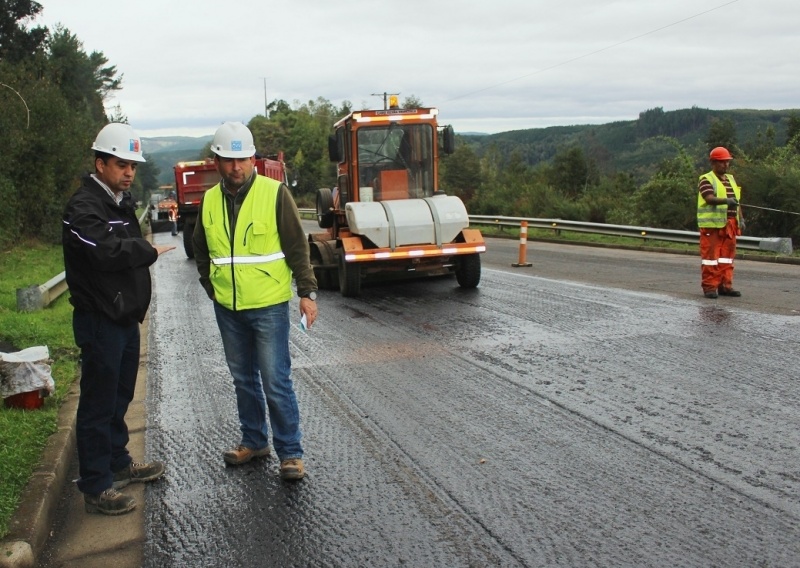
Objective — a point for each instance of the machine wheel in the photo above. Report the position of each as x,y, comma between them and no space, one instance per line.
349,278
468,270
325,280
325,208
188,231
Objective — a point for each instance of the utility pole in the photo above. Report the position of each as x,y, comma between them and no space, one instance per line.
385,96
265,98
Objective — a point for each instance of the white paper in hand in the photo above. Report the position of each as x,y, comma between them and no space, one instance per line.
304,323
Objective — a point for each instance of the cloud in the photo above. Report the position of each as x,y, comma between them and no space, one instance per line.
493,66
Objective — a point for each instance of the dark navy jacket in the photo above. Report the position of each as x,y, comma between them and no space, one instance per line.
105,256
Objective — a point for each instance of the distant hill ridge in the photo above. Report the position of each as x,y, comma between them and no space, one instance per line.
175,143
620,145
627,146
166,151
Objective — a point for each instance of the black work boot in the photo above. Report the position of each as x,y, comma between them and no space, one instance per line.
729,292
109,502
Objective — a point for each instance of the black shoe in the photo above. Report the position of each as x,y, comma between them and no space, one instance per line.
138,472
710,294
732,293
109,502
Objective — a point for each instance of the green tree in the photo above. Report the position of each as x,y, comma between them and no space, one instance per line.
412,101
488,199
52,100
669,199
17,42
571,172
609,200
460,173
721,132
301,133
84,79
146,181
763,145
793,132
773,183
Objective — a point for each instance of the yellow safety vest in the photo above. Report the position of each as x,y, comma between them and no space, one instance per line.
715,216
248,270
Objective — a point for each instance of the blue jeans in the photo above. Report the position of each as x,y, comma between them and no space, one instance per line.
256,344
109,365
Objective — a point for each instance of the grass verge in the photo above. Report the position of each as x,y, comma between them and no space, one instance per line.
24,433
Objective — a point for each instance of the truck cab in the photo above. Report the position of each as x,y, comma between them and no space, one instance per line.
194,178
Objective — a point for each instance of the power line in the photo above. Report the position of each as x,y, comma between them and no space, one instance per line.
769,209
595,52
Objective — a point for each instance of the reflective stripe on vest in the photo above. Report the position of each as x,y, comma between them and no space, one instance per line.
248,259
715,216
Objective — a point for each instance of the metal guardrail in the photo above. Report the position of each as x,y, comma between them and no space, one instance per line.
779,245
35,297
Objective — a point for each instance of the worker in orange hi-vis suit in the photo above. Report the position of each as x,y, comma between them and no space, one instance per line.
719,218
173,218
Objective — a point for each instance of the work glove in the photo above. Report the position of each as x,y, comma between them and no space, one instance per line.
741,224
731,201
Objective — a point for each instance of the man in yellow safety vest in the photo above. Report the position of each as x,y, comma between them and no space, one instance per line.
719,218
249,244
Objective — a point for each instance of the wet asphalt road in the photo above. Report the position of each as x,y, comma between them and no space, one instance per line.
535,421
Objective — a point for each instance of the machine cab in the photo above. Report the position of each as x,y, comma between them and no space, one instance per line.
395,161
385,155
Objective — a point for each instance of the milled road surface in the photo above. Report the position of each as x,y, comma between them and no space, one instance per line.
535,421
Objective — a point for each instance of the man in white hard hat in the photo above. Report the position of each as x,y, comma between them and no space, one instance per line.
248,245
107,270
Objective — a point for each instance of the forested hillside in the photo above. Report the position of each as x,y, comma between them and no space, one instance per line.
641,172
634,146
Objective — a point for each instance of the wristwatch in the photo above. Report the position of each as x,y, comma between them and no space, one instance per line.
311,296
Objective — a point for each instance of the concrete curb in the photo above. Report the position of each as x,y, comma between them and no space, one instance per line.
29,528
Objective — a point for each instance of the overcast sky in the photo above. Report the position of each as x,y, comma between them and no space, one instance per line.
489,66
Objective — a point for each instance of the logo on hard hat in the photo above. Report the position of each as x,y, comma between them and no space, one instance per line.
134,145
236,145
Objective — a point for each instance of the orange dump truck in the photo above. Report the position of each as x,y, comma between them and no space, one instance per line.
193,179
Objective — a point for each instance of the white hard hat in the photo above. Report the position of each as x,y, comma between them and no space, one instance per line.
233,140
119,139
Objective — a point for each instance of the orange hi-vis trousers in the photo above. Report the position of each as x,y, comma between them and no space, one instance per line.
717,251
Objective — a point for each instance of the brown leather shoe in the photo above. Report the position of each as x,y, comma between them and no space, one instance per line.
242,454
138,472
292,469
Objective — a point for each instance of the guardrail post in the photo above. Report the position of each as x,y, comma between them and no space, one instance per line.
523,244
35,298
